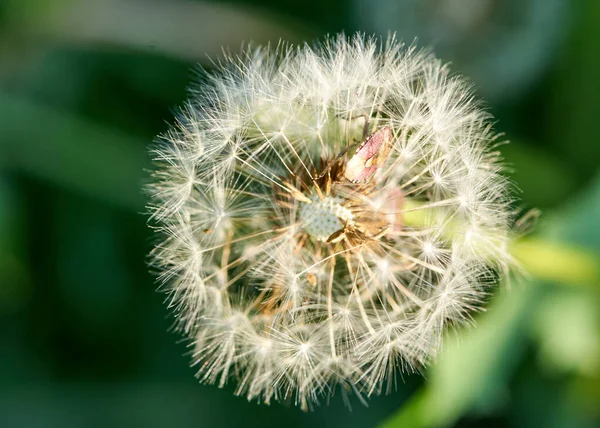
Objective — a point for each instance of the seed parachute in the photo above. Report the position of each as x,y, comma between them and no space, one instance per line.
323,214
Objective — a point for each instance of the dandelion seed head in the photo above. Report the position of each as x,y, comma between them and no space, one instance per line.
325,212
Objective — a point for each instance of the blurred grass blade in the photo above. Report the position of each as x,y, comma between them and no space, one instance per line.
472,367
181,28
72,152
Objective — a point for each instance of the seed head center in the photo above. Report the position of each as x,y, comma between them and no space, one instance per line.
324,216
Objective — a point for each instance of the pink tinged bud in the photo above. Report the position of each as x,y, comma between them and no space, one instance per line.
369,157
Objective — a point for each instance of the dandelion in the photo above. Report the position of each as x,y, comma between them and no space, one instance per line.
325,213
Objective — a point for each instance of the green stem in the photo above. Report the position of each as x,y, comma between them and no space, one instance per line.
539,258
560,263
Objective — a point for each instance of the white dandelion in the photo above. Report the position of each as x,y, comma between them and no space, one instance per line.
324,213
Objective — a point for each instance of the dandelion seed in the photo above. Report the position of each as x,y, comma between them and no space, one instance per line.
325,213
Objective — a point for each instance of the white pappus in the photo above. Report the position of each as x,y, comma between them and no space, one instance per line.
323,213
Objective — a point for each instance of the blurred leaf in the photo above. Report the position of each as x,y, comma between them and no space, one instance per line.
181,28
573,118
66,150
579,219
31,12
474,365
544,179
568,329
15,286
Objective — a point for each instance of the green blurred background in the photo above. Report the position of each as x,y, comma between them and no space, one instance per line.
85,85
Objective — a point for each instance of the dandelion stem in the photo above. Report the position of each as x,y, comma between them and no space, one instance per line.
552,261
542,259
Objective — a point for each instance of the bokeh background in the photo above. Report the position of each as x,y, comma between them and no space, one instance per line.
85,85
